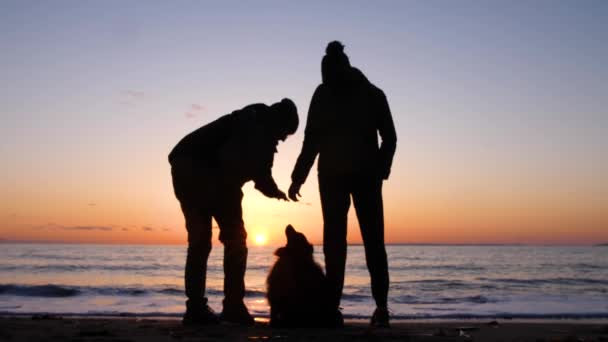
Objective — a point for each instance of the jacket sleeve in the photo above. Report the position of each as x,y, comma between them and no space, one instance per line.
263,178
312,136
386,128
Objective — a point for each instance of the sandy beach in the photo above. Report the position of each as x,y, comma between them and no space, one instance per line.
55,328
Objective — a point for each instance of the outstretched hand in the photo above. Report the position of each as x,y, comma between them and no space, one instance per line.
294,191
281,196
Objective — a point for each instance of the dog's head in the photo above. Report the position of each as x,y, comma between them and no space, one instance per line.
297,245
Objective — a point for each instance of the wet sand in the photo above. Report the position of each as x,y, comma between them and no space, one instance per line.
52,328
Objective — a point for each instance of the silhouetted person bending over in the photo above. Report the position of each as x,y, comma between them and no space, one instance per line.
345,116
209,166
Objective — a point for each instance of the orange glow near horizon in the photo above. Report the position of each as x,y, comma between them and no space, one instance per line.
260,239
422,208
409,218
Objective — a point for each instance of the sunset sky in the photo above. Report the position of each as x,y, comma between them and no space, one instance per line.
500,110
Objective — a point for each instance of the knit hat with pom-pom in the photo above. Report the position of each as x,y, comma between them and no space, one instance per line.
335,62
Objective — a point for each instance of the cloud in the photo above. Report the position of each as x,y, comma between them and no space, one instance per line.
125,229
53,226
194,110
131,97
126,103
92,204
134,93
100,228
166,229
197,107
49,225
147,229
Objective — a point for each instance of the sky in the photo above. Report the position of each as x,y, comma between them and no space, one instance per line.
500,111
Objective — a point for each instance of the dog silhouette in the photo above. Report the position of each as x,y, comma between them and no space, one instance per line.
296,286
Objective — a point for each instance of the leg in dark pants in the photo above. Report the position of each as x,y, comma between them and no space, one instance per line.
199,246
191,189
335,201
229,215
367,199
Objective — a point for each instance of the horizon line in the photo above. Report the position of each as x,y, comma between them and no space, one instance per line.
422,244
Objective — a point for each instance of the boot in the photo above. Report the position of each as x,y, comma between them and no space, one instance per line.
380,318
200,314
197,310
235,264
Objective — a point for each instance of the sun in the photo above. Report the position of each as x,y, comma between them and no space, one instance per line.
260,239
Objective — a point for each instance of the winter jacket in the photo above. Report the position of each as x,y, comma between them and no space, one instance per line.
238,148
342,128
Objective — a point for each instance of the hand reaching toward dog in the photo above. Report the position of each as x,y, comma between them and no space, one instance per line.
280,195
294,191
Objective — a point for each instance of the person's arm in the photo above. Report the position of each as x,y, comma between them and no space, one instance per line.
310,147
263,178
386,128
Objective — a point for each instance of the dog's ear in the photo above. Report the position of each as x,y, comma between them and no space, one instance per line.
280,251
289,232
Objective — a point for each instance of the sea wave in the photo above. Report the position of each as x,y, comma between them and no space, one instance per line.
50,268
476,299
546,281
135,267
38,290
54,290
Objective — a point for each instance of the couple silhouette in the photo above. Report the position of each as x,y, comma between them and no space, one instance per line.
210,165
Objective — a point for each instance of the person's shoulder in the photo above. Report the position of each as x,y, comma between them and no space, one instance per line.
377,91
321,90
252,112
359,78
256,107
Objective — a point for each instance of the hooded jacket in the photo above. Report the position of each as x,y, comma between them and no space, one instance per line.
237,147
342,128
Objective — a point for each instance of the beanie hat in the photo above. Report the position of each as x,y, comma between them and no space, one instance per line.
335,60
286,115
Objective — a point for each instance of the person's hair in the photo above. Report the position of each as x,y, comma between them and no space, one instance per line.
286,115
335,63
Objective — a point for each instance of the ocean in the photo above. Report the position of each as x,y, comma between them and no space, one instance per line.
426,281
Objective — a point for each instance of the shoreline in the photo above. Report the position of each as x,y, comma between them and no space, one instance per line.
593,318
135,329
354,320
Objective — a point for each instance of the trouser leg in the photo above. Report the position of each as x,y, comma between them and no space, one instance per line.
335,201
367,199
235,265
234,237
191,190
199,247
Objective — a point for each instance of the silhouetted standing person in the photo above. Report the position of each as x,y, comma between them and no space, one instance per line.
209,166
345,116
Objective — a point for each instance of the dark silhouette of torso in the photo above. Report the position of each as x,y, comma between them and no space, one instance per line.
236,148
342,127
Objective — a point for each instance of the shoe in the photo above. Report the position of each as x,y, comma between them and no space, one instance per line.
201,316
380,318
237,314
337,321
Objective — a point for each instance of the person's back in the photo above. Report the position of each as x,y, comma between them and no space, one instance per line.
237,146
342,127
348,121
